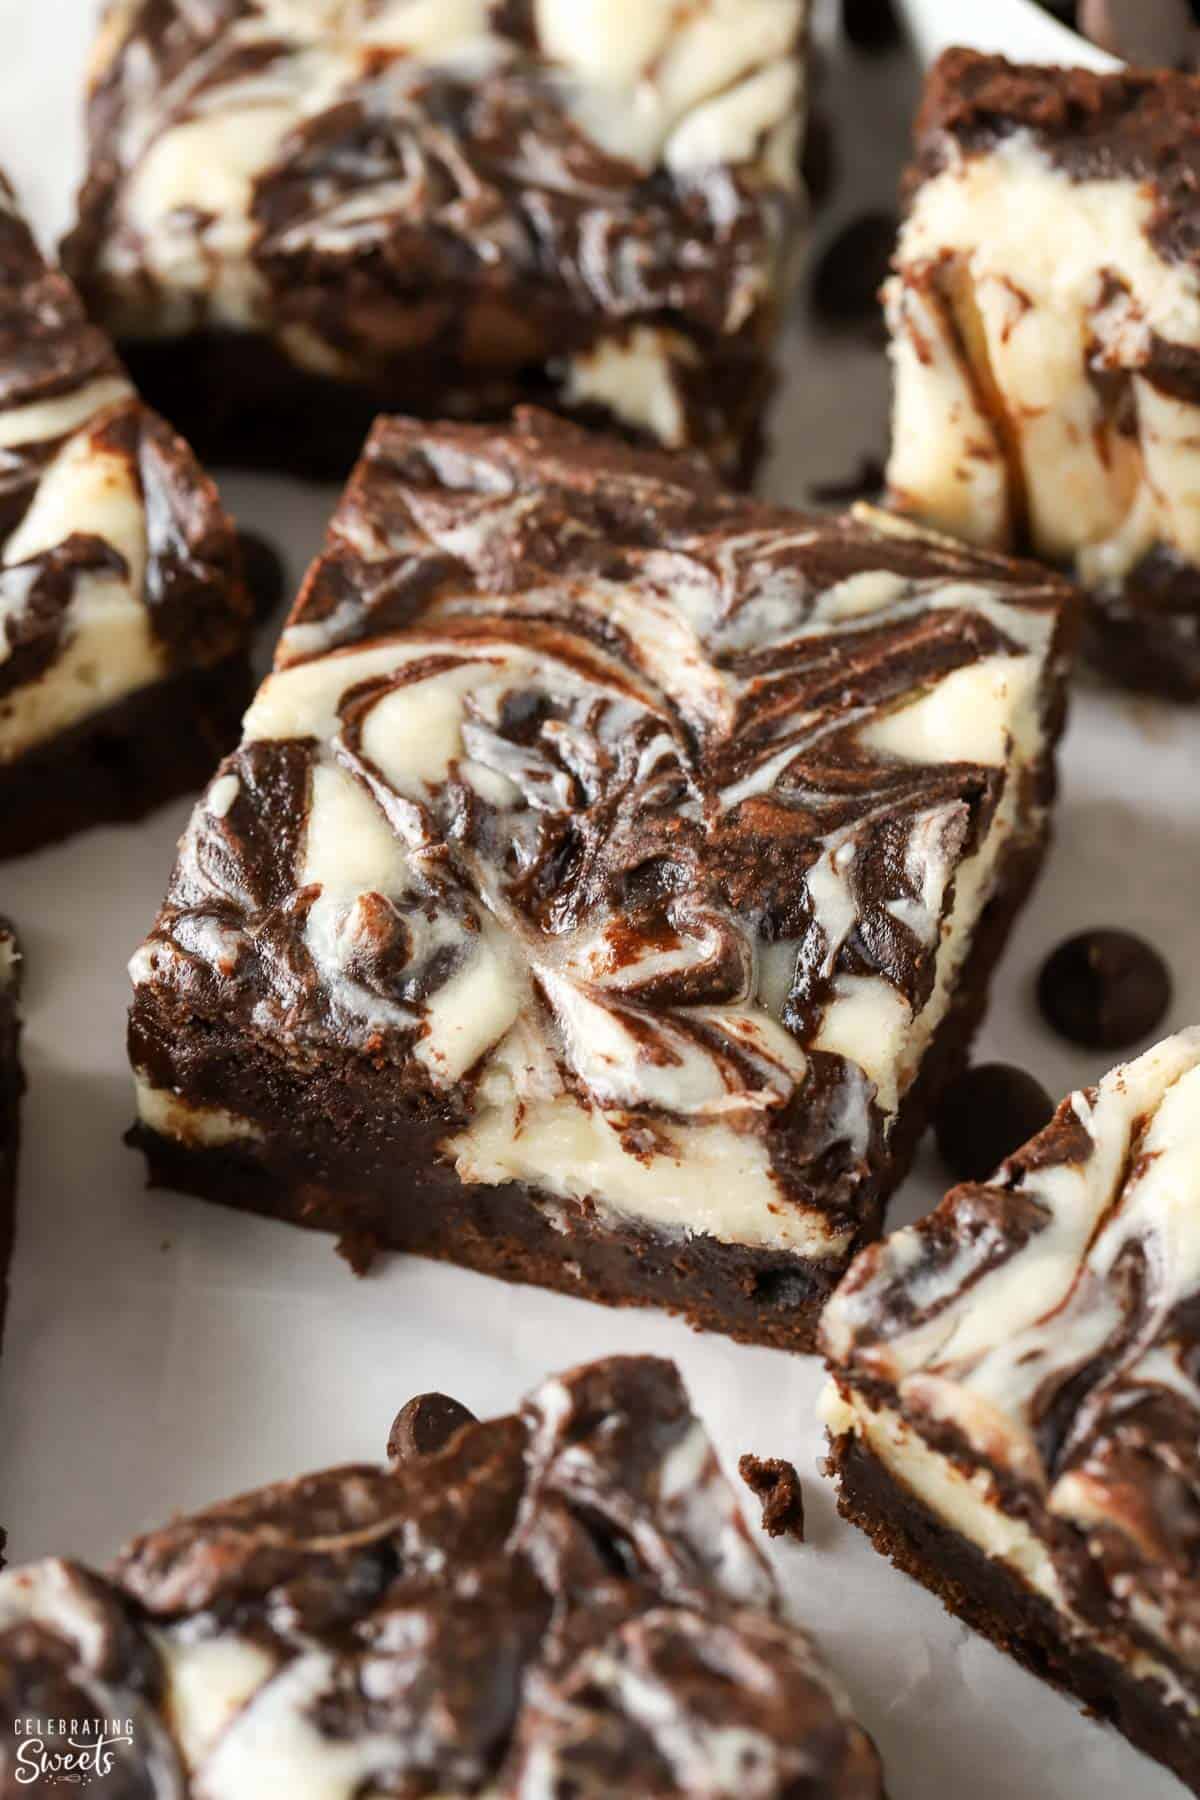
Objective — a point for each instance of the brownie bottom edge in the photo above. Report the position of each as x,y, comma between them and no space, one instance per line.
994,1601
118,765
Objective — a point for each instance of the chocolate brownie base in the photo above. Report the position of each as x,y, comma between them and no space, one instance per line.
987,1596
120,764
242,403
339,1174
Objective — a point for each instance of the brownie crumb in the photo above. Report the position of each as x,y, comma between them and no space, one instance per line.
776,1486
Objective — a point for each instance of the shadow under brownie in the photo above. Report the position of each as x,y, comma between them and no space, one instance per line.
123,621
1013,1409
299,215
609,877
563,1601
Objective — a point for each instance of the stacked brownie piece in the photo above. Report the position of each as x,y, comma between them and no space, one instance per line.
1045,324
565,1601
300,213
609,877
122,617
1015,1414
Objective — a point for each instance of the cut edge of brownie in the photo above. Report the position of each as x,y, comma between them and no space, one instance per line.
117,765
993,1600
751,1295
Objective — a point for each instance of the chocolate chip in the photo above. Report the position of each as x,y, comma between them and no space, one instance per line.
264,572
1104,989
850,272
870,25
986,1114
425,1426
776,1485
863,483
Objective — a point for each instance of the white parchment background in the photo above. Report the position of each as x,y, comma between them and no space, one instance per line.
161,1353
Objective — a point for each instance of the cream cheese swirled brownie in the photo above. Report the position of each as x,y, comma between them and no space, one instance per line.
610,874
122,618
1015,1412
444,207
1044,316
563,1602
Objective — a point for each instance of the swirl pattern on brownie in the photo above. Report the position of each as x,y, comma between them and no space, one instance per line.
600,163
564,1601
1041,1329
641,828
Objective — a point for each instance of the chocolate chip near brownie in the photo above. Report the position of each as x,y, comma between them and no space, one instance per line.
1104,989
1044,313
986,1113
609,876
1014,1408
565,1601
122,618
301,212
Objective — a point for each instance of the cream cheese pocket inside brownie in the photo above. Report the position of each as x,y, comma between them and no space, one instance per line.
299,213
562,1602
1015,1415
1045,323
609,876
122,619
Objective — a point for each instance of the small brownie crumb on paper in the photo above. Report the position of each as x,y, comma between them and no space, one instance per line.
776,1486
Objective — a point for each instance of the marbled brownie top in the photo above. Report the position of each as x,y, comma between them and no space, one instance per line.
565,1602
639,829
1046,1325
313,167
117,562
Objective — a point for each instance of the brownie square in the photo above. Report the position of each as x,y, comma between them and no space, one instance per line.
301,212
1044,314
1014,1411
608,878
565,1601
123,622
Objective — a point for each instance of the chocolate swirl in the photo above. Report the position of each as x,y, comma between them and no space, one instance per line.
597,800
491,1615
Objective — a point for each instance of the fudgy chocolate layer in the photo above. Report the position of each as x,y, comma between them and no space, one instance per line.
339,1173
992,1600
118,765
241,403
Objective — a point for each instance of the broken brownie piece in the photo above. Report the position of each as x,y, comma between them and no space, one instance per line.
299,213
123,623
560,1602
608,879
1045,323
1014,1414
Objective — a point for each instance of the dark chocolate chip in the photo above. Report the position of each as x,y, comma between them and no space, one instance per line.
1104,989
863,483
425,1426
263,570
986,1114
850,273
819,162
871,25
776,1486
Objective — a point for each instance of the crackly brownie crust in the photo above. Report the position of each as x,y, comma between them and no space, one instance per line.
514,204
120,590
1005,439
1013,1406
565,1600
616,860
